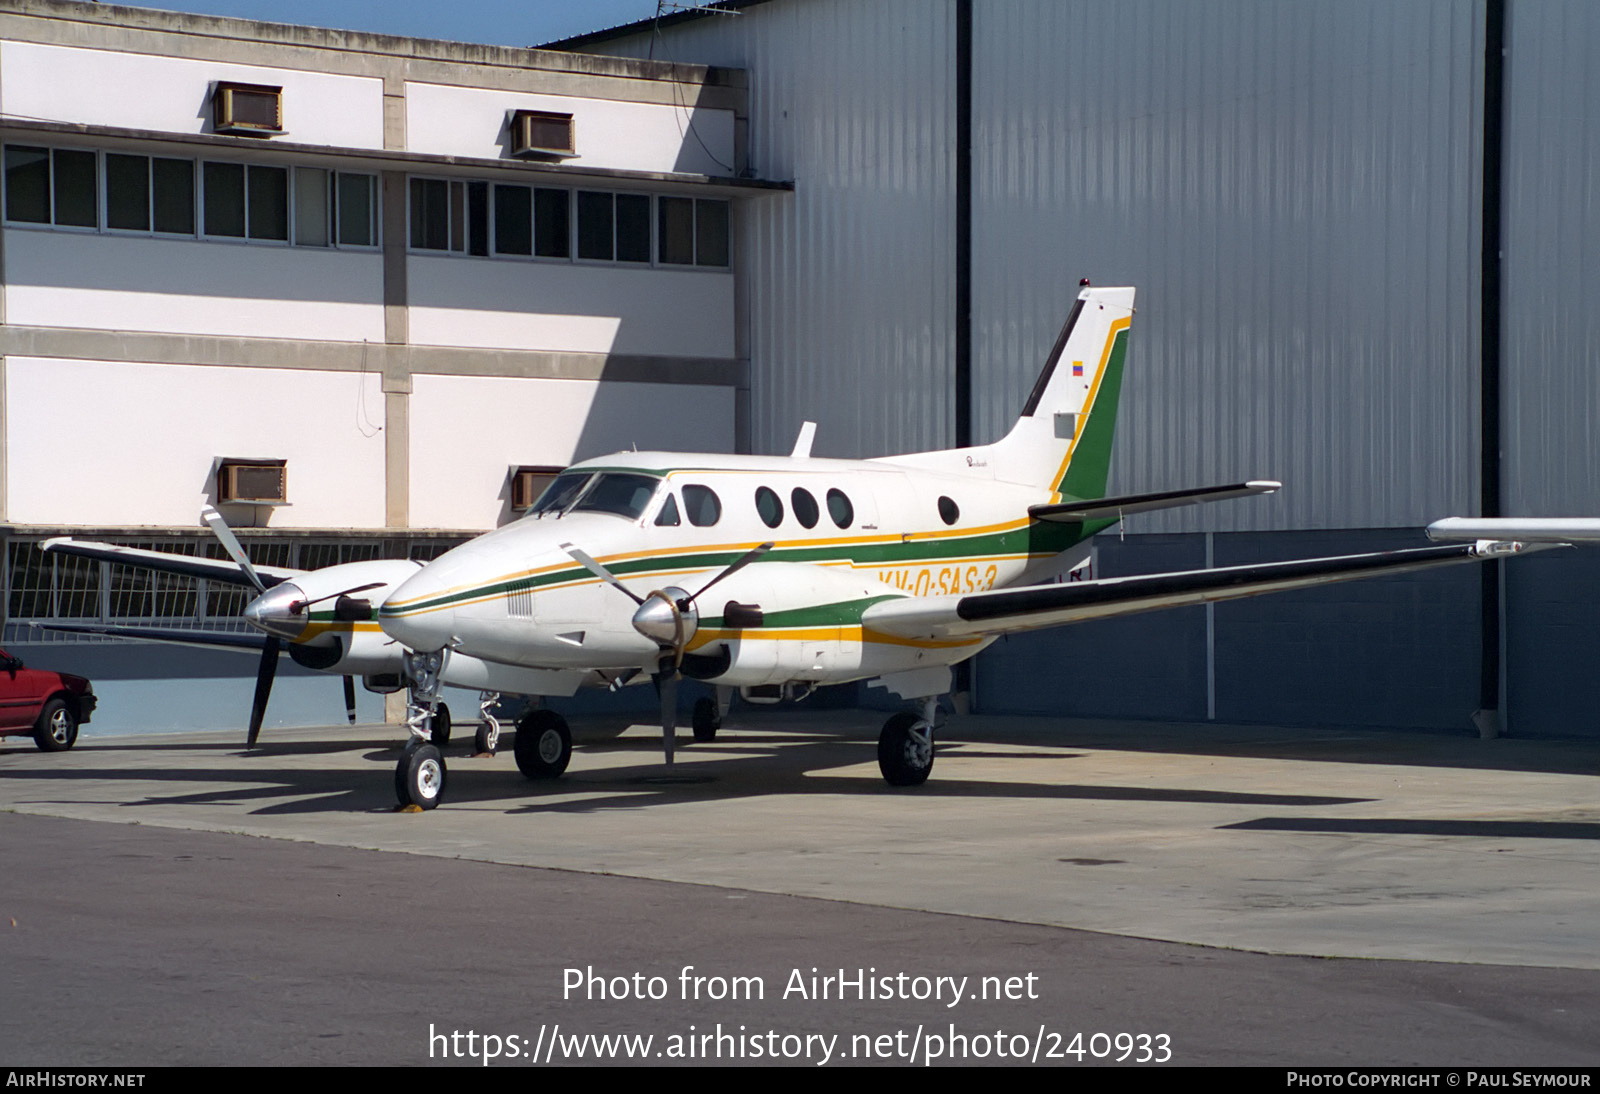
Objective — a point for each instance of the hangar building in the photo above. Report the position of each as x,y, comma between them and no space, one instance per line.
1362,234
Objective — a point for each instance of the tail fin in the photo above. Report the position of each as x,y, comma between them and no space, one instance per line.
1062,442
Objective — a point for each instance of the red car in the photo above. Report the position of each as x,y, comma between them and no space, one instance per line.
48,705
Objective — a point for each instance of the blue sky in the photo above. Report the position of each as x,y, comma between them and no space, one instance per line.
497,22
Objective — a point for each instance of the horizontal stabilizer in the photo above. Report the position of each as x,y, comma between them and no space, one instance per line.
212,569
1004,611
1530,529
1076,512
230,640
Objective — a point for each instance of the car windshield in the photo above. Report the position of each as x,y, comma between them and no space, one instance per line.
615,492
559,494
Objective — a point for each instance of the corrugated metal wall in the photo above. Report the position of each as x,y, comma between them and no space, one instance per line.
850,279
1292,187
1296,189
1552,259
1551,356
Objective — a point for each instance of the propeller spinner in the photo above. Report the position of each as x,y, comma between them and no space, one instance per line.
668,618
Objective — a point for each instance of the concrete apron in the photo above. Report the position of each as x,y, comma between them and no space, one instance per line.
1360,844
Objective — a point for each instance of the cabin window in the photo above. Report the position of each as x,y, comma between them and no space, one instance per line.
840,509
703,505
805,507
622,494
949,511
770,508
668,517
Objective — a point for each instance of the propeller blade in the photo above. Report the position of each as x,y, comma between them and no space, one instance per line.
743,560
264,675
600,571
347,592
667,684
230,543
350,698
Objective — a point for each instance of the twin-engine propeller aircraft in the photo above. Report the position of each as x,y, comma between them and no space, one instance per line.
775,575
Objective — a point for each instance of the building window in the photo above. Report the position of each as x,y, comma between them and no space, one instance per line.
247,110
613,227
52,186
450,216
145,193
253,482
334,208
692,231
541,134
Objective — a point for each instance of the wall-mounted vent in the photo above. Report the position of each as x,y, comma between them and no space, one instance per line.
541,134
253,482
247,110
527,483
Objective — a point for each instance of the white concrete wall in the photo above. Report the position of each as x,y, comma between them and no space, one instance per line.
101,443
466,121
467,432
60,278
570,307
173,94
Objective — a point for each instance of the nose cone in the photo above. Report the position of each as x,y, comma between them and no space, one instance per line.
281,611
413,615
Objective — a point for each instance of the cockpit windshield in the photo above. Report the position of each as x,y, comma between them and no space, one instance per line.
620,493
560,493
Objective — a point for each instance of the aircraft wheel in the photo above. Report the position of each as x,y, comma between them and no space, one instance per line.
543,744
419,777
903,759
706,720
486,739
439,729
57,728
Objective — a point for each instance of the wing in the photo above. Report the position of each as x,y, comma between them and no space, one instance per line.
1004,611
1531,529
212,569
181,635
1077,512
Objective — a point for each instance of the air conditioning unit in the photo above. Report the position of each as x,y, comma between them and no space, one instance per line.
541,134
253,482
247,110
527,483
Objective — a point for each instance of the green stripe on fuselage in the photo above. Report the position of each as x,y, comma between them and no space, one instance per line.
1037,538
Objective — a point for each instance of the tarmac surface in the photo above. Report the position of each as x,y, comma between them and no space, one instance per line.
1142,874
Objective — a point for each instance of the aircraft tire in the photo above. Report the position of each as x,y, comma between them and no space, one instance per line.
542,745
420,776
439,728
706,719
57,728
902,760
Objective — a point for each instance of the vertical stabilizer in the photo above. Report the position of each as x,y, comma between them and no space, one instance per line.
1062,441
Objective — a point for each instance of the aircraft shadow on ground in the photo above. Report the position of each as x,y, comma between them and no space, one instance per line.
1423,826
743,768
1353,745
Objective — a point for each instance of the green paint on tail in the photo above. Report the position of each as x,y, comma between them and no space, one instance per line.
1085,477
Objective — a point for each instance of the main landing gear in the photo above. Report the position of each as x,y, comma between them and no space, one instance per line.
543,744
487,739
905,745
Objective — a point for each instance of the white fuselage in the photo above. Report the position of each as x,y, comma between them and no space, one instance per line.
517,597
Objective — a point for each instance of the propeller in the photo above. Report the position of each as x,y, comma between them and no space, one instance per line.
668,618
267,669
